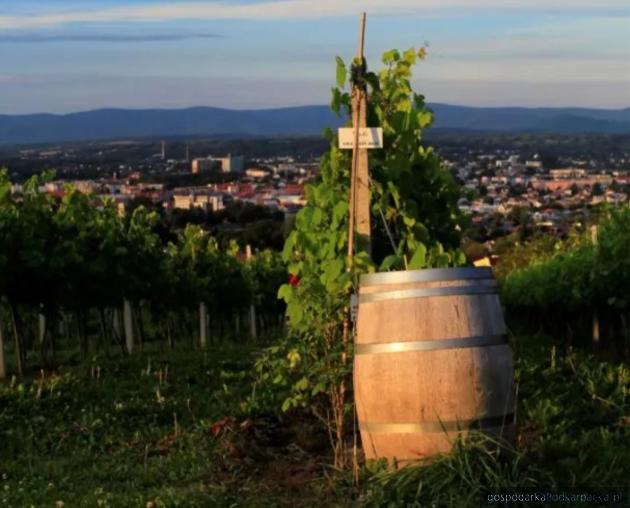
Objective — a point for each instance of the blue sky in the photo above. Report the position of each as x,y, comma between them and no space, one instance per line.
71,55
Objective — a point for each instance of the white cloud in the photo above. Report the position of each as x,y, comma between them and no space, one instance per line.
580,50
603,38
288,9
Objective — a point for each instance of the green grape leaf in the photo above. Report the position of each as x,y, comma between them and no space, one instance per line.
419,259
285,293
342,73
391,261
425,118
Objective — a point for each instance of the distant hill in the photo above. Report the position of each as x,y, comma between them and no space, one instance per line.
544,120
297,121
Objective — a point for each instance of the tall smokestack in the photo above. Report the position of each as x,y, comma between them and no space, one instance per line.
163,150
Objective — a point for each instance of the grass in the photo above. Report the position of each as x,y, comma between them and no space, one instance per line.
172,429
121,433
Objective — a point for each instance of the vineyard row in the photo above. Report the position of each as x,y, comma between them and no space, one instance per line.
75,271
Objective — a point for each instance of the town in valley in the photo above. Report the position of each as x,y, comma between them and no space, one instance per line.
512,185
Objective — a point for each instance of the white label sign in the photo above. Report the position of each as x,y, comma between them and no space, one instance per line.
371,137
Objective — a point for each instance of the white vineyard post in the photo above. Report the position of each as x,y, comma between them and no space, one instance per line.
252,307
41,327
128,324
3,367
596,332
116,321
203,325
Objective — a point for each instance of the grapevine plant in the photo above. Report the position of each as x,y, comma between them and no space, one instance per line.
76,260
561,291
415,224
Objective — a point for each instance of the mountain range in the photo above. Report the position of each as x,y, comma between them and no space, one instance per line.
295,121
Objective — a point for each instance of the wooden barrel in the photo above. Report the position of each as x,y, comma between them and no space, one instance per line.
431,361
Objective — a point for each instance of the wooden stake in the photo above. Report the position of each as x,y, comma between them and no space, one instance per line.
361,198
362,34
359,222
359,178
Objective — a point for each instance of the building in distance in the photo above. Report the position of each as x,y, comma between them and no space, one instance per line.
257,173
231,164
567,173
227,164
205,198
202,165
